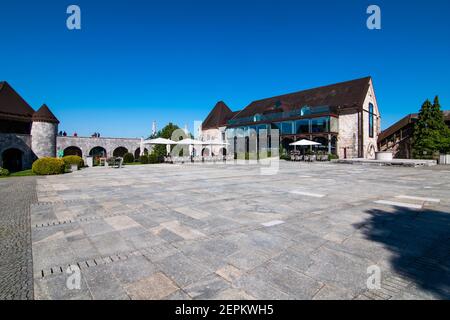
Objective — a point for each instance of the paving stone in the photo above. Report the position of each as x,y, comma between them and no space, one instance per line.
182,270
157,286
207,287
192,223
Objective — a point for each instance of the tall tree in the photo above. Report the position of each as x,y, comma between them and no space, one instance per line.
431,134
166,132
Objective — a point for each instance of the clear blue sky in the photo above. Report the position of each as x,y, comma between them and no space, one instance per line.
138,61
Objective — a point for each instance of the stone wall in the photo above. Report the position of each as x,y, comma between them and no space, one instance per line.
21,142
370,145
348,136
43,141
86,144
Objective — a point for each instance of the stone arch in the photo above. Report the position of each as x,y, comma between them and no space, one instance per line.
137,152
223,151
12,159
119,151
206,152
73,151
98,151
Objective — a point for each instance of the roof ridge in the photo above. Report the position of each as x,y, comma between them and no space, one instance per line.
314,88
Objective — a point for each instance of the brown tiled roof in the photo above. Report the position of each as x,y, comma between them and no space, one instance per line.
218,116
12,105
344,94
44,115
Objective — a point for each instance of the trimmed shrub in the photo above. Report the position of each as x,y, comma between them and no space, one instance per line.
143,159
153,158
69,160
332,156
128,158
4,172
48,166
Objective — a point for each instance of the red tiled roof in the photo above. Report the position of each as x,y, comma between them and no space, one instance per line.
218,116
12,105
44,115
345,94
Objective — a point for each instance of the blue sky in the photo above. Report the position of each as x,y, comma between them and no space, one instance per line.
138,61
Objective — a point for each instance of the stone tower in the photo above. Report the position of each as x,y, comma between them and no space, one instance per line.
44,130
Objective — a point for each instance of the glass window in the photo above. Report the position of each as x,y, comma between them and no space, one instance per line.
320,124
371,120
286,127
302,126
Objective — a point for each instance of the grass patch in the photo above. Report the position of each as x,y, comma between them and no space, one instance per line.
24,173
132,164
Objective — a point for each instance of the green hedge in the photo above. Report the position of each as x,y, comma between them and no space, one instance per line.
154,158
128,158
332,156
69,160
4,172
143,159
48,166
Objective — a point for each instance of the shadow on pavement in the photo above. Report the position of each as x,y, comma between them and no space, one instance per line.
420,241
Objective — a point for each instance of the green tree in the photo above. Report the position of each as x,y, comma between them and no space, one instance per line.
160,150
431,134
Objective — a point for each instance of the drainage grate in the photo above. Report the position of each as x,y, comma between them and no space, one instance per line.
85,264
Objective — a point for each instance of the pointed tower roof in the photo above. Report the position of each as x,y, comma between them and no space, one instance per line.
218,116
44,115
12,105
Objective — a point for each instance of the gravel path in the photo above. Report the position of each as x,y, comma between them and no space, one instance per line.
16,265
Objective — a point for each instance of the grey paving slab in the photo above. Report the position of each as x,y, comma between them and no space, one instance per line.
204,231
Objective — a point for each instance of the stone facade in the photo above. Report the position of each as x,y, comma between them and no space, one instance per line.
370,145
86,144
43,141
347,144
21,142
215,134
351,127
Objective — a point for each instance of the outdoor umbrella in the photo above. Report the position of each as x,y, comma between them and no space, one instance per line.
305,142
167,142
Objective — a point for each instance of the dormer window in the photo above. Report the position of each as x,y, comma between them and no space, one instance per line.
305,111
257,117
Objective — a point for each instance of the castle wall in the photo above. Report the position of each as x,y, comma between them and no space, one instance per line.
86,144
21,142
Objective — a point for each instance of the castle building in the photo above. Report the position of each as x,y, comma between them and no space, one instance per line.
398,137
25,134
343,117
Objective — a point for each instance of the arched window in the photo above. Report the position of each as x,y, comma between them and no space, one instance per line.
371,118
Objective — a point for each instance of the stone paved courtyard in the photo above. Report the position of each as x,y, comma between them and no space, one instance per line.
228,232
